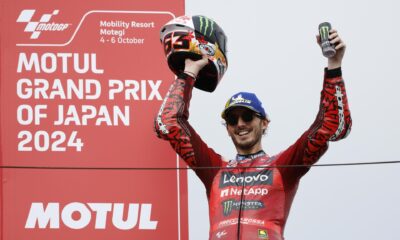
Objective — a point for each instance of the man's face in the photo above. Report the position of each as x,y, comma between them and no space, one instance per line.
246,129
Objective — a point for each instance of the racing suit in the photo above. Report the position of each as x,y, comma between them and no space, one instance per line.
258,198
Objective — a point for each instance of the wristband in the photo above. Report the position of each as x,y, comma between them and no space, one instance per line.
190,74
332,73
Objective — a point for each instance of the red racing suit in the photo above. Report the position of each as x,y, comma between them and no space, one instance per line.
260,197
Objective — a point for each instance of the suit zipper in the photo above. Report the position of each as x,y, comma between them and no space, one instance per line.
240,205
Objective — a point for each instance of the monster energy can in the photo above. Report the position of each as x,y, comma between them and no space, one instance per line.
327,49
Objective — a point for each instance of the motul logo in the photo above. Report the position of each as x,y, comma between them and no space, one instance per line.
44,24
79,215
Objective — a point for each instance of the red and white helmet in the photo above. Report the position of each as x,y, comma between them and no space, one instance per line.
191,37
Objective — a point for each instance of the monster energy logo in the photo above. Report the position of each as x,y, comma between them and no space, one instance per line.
324,32
230,205
207,23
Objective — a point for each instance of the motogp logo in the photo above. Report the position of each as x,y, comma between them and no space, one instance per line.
44,24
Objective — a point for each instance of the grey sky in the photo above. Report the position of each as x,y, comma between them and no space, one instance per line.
272,52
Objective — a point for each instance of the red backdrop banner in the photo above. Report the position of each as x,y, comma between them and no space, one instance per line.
81,82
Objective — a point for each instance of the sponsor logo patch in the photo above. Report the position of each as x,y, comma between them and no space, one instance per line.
247,179
262,234
339,96
246,192
221,234
230,205
247,221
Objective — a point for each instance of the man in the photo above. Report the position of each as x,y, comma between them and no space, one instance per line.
250,196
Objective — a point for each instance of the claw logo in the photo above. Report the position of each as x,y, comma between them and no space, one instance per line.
44,24
208,25
324,32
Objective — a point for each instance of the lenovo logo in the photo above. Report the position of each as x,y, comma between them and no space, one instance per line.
247,179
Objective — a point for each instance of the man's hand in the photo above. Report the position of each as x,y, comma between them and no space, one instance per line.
193,67
340,47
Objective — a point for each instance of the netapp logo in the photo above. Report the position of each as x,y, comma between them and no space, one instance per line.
247,179
41,216
44,24
246,192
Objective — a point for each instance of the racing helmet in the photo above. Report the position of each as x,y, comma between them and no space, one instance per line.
191,37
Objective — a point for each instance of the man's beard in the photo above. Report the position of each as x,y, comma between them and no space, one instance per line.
248,145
